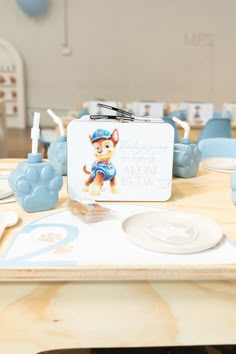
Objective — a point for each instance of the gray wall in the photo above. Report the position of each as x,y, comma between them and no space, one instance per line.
162,50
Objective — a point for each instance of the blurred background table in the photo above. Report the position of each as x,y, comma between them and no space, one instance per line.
194,131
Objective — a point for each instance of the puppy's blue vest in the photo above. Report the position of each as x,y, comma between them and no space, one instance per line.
107,169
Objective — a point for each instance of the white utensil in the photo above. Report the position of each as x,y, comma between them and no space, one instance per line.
5,189
6,194
7,219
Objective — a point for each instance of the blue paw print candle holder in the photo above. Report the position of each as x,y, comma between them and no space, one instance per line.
35,182
57,155
233,187
186,155
57,151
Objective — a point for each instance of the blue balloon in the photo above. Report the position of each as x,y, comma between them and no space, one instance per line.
33,7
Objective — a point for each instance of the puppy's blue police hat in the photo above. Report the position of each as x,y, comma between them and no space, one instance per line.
101,134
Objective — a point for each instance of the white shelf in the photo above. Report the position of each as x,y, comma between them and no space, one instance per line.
10,58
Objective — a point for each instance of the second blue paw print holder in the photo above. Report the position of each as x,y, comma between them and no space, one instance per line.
186,155
57,152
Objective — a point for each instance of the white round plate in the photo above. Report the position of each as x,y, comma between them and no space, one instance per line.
172,232
220,164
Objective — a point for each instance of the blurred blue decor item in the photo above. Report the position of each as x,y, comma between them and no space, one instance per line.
33,7
186,160
218,147
227,114
83,112
218,114
216,128
181,114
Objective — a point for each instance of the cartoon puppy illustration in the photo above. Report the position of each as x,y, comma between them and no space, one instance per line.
104,143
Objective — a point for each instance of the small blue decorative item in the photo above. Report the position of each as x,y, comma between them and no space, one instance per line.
35,182
83,112
186,155
33,7
57,151
57,155
233,187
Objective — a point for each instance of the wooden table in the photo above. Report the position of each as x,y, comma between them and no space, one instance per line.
107,307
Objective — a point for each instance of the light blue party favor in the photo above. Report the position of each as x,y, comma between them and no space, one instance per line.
57,151
35,182
186,155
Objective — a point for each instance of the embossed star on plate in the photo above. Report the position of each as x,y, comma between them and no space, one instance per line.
177,234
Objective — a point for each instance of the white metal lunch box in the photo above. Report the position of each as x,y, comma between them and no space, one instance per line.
116,161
